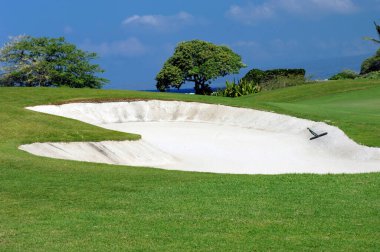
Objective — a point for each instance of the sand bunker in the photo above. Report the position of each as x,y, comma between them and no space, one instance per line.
209,138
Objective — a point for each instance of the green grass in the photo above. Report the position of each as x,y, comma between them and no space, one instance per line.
353,106
48,204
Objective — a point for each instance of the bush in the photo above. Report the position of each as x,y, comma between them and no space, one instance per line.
282,82
375,75
259,76
345,74
241,88
276,78
255,75
371,64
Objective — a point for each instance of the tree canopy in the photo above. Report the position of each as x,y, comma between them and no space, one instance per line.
372,64
199,62
28,61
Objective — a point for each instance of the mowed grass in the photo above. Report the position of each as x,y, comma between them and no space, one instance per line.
48,204
353,106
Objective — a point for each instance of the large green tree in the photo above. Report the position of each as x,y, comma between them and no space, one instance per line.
373,63
29,61
199,62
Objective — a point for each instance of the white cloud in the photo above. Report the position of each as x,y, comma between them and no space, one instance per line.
247,43
252,13
160,22
128,48
16,37
143,20
338,6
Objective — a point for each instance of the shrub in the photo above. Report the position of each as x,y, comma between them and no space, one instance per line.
375,75
255,75
371,64
241,88
345,74
259,76
276,78
282,82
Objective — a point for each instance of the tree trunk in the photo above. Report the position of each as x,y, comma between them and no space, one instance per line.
201,88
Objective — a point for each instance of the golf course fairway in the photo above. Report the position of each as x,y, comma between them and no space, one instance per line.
54,204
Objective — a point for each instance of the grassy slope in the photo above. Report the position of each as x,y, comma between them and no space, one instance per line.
353,106
49,204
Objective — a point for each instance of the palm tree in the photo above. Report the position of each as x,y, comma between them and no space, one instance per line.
378,32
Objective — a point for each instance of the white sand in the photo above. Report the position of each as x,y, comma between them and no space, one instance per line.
209,138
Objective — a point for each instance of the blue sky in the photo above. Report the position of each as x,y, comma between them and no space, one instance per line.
134,37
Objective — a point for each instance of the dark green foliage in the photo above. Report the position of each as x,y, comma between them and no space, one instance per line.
275,78
260,76
371,64
255,75
345,74
241,88
199,62
31,62
283,82
169,76
375,75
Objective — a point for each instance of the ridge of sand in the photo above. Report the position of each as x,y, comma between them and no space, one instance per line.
209,138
